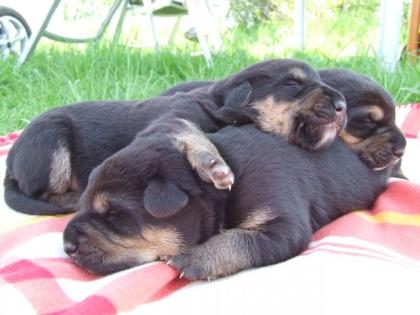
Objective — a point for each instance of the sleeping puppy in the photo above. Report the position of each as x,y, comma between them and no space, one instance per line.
145,203
49,164
371,131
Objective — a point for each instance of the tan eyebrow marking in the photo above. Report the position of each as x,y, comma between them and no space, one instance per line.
298,73
100,202
376,112
349,138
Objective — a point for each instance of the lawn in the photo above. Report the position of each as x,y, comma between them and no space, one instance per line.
63,74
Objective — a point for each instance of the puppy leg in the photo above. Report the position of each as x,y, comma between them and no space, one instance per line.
238,249
203,156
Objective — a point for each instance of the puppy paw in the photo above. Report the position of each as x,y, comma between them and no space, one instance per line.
192,267
213,169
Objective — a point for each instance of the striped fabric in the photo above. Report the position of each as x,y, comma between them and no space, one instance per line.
364,262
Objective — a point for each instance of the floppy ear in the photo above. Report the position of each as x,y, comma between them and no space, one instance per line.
239,96
234,109
163,199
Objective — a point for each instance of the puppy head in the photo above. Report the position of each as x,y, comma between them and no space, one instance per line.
284,97
371,129
140,205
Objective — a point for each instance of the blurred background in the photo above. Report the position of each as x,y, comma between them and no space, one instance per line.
337,33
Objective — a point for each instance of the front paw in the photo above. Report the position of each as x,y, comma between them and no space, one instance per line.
192,267
213,169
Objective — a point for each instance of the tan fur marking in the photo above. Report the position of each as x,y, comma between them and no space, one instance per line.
192,142
376,113
298,73
275,117
224,254
60,170
154,244
257,219
100,202
349,138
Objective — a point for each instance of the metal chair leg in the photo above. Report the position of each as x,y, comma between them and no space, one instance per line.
174,30
120,23
195,11
216,38
34,39
149,13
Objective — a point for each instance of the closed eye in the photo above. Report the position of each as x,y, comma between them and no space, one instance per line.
293,82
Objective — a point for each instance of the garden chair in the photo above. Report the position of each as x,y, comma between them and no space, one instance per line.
149,8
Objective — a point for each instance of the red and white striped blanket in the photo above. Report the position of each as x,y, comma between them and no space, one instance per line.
366,262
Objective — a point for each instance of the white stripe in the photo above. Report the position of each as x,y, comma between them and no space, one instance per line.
379,249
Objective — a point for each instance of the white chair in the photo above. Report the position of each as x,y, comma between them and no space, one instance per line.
199,10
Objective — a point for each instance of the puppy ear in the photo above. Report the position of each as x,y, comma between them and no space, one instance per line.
233,109
163,199
239,96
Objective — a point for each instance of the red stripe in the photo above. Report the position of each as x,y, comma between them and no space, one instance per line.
345,247
401,196
411,125
38,285
92,305
62,268
12,239
403,239
338,252
146,284
7,141
142,286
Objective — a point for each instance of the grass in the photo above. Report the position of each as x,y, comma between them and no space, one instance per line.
64,74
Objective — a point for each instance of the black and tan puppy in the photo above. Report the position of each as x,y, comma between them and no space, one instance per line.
371,129
145,203
49,164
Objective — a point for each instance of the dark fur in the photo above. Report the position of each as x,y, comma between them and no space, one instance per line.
380,142
92,131
275,206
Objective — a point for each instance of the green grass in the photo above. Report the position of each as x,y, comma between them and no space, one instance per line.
56,76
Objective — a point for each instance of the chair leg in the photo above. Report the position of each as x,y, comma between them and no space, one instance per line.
174,30
195,11
149,13
204,45
216,38
36,36
120,23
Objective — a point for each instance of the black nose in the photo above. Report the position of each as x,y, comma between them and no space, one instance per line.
399,142
399,152
70,248
340,105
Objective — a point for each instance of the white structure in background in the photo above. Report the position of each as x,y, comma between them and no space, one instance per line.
389,32
300,24
199,11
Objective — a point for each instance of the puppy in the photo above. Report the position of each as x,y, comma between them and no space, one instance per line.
145,203
49,164
371,131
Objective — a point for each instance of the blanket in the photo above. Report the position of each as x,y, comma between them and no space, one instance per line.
365,262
